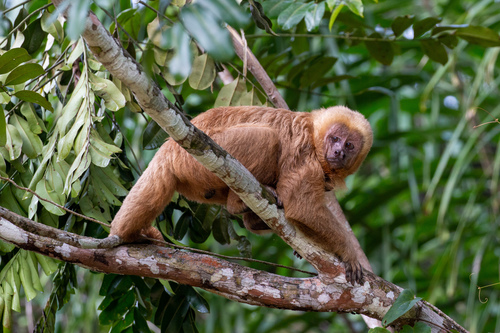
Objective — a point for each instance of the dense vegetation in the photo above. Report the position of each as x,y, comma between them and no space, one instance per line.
424,205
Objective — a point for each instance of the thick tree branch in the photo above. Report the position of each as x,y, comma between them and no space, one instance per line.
233,281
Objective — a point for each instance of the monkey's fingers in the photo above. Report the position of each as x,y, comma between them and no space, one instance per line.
279,203
354,272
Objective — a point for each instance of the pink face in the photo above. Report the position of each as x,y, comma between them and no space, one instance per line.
342,146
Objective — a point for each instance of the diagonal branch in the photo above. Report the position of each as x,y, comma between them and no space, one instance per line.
149,96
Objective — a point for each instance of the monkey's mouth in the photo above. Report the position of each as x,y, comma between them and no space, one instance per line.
335,162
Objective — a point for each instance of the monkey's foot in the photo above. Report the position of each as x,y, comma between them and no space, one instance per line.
353,272
152,232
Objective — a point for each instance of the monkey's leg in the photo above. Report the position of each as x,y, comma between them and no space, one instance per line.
303,195
147,199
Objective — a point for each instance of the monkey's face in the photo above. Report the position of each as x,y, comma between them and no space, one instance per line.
342,146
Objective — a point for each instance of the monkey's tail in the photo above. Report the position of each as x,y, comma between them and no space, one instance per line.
147,199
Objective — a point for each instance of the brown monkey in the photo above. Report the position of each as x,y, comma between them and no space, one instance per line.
299,154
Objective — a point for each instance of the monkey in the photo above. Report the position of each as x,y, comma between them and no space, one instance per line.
299,156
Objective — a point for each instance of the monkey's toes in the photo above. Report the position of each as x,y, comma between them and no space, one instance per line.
295,253
354,272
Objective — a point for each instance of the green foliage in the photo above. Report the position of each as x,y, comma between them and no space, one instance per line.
405,301
64,285
424,205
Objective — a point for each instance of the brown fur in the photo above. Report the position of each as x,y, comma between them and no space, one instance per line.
292,152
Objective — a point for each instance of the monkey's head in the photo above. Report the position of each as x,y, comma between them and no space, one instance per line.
342,138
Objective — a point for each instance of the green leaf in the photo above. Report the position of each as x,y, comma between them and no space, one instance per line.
435,51
36,124
402,305
207,31
380,50
401,23
78,167
275,8
90,209
34,37
153,136
3,128
109,180
317,70
52,27
479,35
34,97
203,72
196,301
231,94
220,229
250,98
77,100
293,14
32,144
43,190
13,58
451,41
100,151
106,89
182,225
156,32
76,53
421,327
334,15
422,26
78,11
355,6
261,20
226,11
24,73
81,123
14,142
197,231
378,330
180,60
314,15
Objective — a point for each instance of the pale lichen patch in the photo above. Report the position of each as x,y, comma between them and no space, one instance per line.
64,250
267,290
390,295
358,294
226,273
11,232
324,298
151,263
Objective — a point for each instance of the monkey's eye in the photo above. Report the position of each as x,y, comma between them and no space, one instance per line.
349,145
335,139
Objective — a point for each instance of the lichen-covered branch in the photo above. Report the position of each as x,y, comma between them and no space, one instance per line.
233,281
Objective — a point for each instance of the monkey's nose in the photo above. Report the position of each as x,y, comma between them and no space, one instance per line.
339,153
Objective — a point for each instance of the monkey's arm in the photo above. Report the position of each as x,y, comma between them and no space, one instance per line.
303,195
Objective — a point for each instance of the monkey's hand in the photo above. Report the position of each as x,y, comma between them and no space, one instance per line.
271,190
353,271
